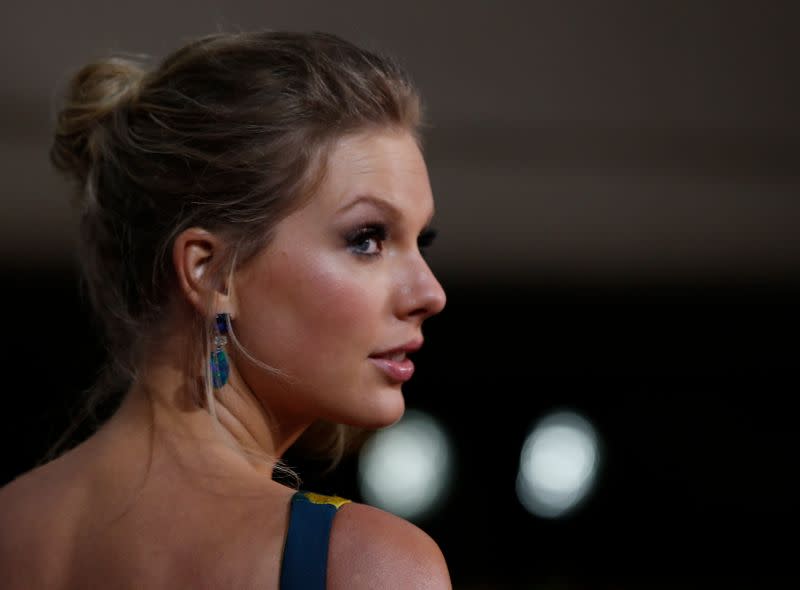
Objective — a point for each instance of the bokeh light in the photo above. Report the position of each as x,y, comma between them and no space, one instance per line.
558,464
406,469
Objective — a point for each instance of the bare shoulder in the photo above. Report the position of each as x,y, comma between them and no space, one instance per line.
11,504
19,498
371,548
28,532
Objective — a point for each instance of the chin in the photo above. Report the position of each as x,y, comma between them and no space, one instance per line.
387,408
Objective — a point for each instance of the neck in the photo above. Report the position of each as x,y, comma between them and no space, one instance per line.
162,398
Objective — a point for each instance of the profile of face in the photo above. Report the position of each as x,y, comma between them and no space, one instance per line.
342,289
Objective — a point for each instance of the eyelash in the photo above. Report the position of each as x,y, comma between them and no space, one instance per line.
425,239
379,233
372,231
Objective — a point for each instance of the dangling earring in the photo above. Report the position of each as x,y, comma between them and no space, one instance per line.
219,360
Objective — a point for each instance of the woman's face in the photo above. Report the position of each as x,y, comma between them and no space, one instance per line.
343,284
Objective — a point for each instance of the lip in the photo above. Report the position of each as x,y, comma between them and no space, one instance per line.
397,371
408,347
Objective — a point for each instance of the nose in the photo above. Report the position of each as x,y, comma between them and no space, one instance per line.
420,293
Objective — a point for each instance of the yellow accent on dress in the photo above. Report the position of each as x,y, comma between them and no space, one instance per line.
335,501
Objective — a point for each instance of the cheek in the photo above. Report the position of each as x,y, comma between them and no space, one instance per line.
336,308
319,308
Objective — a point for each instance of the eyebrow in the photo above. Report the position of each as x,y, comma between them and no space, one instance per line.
386,206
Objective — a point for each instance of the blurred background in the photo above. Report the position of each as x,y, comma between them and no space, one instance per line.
607,401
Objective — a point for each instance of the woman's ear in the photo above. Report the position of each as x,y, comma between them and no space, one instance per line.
196,254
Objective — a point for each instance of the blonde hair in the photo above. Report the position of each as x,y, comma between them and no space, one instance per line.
228,133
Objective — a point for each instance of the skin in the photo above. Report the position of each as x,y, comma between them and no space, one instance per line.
158,494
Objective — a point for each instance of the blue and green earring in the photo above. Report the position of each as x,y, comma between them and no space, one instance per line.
219,359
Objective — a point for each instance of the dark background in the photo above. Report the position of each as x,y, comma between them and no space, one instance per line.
617,191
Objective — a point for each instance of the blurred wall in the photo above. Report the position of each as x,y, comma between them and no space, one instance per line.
618,139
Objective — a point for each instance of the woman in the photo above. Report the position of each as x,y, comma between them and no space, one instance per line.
252,217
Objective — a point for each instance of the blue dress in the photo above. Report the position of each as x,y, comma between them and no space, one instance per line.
305,553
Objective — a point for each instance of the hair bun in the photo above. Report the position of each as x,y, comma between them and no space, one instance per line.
93,94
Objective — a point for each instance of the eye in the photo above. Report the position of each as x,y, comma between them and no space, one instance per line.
425,239
367,240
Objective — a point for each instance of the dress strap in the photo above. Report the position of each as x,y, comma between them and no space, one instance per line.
305,553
